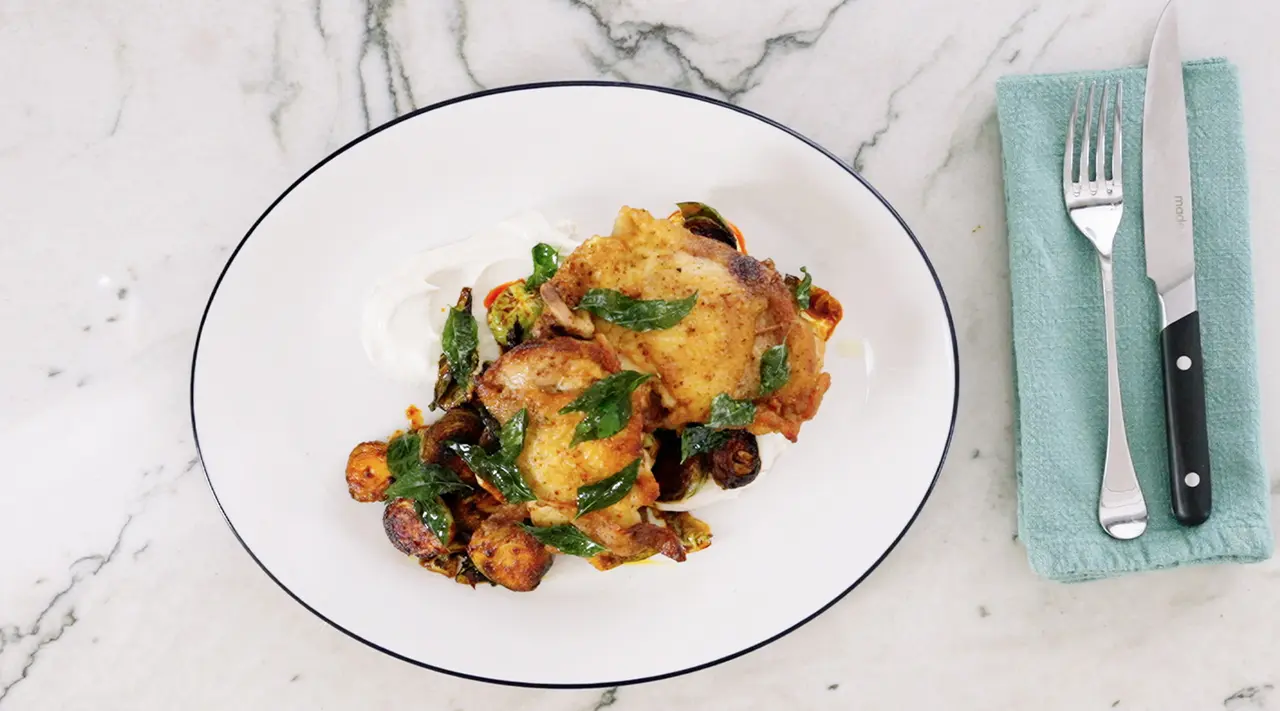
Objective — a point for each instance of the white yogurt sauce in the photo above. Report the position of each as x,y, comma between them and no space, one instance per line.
404,314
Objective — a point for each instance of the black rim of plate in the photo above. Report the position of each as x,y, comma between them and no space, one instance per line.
946,307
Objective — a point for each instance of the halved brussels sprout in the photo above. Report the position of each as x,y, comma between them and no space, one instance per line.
508,555
513,314
676,481
404,527
735,463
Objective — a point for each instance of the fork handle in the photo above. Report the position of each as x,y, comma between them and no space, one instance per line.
1190,488
1122,510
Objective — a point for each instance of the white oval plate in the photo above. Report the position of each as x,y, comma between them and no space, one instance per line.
281,389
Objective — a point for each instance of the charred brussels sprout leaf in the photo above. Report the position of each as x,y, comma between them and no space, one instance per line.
607,406
636,314
703,220
608,491
566,539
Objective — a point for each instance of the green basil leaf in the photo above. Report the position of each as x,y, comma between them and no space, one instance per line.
502,475
546,262
404,455
775,369
511,438
802,289
566,539
460,344
636,314
437,517
727,412
608,491
607,404
699,439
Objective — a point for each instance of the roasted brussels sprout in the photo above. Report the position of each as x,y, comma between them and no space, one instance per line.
459,345
704,221
508,555
736,462
513,314
676,480
694,533
472,510
367,474
409,534
458,425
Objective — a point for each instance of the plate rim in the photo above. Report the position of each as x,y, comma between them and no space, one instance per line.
532,86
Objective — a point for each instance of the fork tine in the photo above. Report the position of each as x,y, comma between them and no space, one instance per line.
1117,138
1068,155
1100,159
1084,140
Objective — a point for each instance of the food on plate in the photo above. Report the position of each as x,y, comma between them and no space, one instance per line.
592,400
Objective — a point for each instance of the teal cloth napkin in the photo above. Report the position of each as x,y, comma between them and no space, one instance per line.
1060,351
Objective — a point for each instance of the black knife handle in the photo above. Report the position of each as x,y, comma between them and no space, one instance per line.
1191,483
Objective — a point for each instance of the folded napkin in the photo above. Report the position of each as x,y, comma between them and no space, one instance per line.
1060,349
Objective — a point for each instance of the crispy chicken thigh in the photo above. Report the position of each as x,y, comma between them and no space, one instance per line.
744,307
544,376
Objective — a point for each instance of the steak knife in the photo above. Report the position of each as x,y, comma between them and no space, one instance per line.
1167,227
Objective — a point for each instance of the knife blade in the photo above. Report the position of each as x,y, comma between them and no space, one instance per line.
1168,235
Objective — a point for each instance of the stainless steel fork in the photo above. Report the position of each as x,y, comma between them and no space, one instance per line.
1096,205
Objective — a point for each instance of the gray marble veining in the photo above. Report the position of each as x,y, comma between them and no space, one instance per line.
140,141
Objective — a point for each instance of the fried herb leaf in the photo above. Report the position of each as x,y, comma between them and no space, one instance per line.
727,412
607,491
607,405
699,439
426,482
459,359
422,483
503,475
546,262
636,314
566,539
437,517
511,437
802,289
775,369
404,454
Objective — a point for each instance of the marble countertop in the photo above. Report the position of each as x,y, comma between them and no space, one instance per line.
139,141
